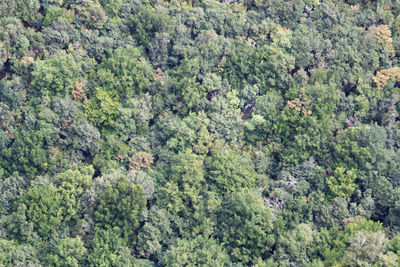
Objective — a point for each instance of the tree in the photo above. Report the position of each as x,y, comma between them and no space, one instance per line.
111,6
71,185
295,244
102,109
43,209
342,183
141,178
225,118
280,60
124,76
394,208
144,20
27,154
245,227
52,10
199,251
118,209
11,188
349,152
181,194
13,254
92,15
156,233
26,11
108,249
17,227
56,75
230,173
268,106
67,252
58,33
13,92
199,132
369,248
84,136
99,184
18,42
158,49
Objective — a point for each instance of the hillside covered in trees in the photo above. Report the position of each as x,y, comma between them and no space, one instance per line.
200,133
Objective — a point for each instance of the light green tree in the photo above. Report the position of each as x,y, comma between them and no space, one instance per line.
199,251
68,251
108,249
56,75
342,183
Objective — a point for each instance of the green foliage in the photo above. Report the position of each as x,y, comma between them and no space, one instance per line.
11,189
364,225
68,252
265,121
349,152
118,209
18,44
369,248
296,243
57,75
342,183
112,6
108,249
51,3
394,208
279,60
102,109
18,228
199,133
155,234
190,91
27,154
93,16
52,13
245,227
200,251
181,194
24,10
126,73
72,184
229,173
43,209
144,21
12,254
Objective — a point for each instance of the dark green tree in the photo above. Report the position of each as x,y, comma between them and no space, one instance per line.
43,209
245,227
229,173
118,209
28,154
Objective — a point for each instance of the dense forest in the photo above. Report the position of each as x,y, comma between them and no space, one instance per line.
200,133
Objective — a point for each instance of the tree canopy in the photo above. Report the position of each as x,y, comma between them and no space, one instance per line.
199,133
